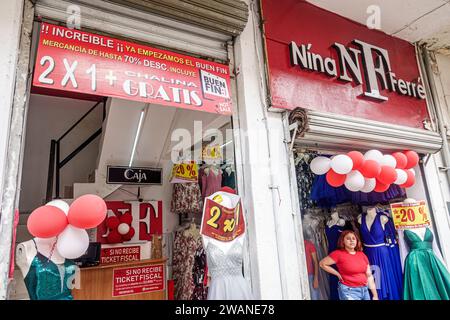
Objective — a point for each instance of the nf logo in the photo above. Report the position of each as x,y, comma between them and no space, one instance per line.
374,72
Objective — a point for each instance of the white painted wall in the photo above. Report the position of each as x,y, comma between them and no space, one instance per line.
10,23
48,118
274,260
437,180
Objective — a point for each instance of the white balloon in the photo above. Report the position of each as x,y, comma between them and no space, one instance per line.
123,228
72,242
373,155
64,206
401,176
341,164
389,161
369,185
354,181
413,172
320,165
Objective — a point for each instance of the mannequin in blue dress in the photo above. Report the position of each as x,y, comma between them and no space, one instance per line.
373,234
47,275
335,226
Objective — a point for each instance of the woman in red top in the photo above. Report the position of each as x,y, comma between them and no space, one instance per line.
353,269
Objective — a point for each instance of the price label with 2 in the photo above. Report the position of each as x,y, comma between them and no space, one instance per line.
221,223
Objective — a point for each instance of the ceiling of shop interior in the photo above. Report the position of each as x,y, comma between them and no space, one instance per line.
411,20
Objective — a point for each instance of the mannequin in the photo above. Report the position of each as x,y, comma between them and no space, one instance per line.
335,219
211,179
386,269
370,218
426,276
333,230
26,251
225,261
47,275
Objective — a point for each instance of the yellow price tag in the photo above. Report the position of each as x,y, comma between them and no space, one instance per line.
188,172
412,215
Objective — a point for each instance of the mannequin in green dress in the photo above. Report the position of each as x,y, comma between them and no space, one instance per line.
425,276
47,275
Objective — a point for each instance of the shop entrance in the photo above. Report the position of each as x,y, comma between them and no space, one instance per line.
171,155
329,208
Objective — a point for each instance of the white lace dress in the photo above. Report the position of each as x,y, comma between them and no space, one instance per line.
225,269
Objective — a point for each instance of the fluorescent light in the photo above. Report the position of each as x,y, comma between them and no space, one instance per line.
136,137
226,143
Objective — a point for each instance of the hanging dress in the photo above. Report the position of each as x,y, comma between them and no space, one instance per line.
225,268
333,233
47,280
380,261
394,252
426,278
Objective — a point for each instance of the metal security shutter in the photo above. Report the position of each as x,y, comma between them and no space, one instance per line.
190,26
319,130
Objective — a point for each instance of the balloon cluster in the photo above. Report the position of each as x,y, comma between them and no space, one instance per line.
68,223
372,171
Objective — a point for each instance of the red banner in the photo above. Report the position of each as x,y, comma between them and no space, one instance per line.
120,254
82,62
221,223
136,280
321,61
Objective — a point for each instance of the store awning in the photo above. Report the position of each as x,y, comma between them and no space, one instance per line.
199,27
318,130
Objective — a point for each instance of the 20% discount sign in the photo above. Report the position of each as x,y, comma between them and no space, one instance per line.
185,171
410,215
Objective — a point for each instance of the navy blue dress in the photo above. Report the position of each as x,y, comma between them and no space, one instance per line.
333,233
383,268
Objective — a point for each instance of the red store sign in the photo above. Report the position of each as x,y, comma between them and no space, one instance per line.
321,61
136,280
86,63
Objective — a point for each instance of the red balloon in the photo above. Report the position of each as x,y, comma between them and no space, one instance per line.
413,159
387,175
114,237
335,179
401,160
357,158
126,218
47,222
370,169
87,212
410,181
129,235
112,222
381,187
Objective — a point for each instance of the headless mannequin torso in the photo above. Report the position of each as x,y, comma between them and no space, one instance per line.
370,218
26,251
335,220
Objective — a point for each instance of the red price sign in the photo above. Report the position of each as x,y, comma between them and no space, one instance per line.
221,223
411,215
